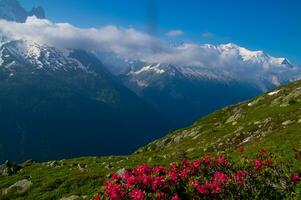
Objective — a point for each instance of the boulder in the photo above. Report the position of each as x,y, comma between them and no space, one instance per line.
9,168
28,162
287,122
74,197
81,167
19,187
121,172
109,166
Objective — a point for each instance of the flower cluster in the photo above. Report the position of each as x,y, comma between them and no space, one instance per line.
210,177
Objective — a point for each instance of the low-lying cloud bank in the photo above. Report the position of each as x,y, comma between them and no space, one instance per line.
124,41
132,44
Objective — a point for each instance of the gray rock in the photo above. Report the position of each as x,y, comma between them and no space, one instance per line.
82,167
62,163
53,164
178,138
29,162
235,117
109,166
19,187
121,172
190,150
9,168
73,165
74,197
287,122
196,137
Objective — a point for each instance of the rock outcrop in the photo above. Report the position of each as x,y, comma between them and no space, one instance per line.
9,168
18,188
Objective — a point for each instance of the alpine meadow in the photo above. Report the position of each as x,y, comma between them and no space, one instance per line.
150,100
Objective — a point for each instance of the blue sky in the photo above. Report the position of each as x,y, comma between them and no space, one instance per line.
271,25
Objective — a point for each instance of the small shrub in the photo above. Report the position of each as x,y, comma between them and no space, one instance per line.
210,177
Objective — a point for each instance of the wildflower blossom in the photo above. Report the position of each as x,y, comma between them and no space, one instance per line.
257,163
295,178
175,197
137,194
220,177
221,161
158,182
208,177
240,176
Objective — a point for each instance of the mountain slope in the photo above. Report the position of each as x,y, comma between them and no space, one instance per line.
186,93
184,99
216,76
54,102
271,121
11,10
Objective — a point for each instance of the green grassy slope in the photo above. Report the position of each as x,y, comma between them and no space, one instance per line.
272,121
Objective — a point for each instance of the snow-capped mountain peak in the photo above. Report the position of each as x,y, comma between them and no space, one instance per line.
16,55
150,68
11,10
247,55
255,56
234,63
228,46
37,11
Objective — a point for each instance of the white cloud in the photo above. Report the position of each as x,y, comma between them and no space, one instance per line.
175,33
124,41
132,44
208,34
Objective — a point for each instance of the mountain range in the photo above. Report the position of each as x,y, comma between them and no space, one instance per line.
270,122
184,93
53,103
13,11
57,103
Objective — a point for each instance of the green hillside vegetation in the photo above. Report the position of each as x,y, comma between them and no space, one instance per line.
271,121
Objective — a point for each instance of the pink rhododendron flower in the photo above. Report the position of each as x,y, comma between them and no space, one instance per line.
130,180
196,164
146,179
202,189
114,191
215,187
175,197
158,169
116,177
262,151
158,182
208,178
143,168
207,159
160,195
240,176
137,194
257,163
184,174
295,178
220,177
97,197
241,149
173,165
220,160
268,162
174,176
